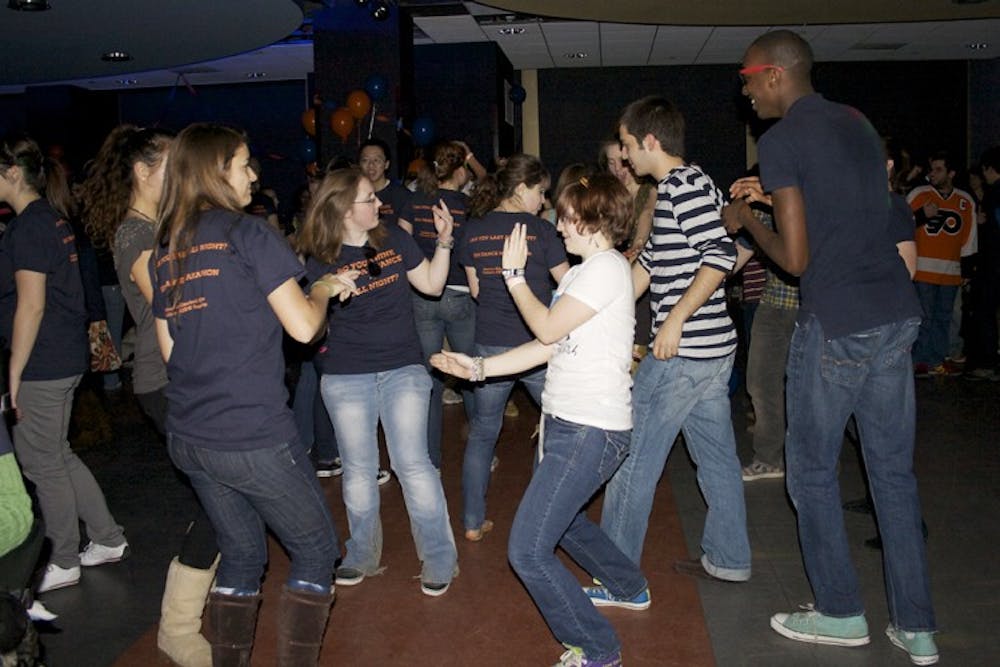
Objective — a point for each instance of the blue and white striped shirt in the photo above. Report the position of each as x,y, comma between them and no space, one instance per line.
688,234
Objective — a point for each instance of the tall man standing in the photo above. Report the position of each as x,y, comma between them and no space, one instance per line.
859,315
682,384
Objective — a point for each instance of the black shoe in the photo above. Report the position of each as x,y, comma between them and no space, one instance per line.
859,505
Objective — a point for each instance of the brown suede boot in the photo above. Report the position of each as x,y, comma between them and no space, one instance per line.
233,619
302,617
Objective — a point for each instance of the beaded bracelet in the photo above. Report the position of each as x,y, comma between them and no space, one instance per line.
478,369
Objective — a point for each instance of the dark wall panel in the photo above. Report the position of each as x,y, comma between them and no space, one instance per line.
578,108
984,105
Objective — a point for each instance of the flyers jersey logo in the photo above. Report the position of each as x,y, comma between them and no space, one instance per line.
946,222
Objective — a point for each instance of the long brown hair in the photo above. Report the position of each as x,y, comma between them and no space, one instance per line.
322,234
490,191
194,181
106,193
45,176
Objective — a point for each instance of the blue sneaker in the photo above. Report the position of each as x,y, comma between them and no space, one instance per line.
602,597
920,645
574,657
816,628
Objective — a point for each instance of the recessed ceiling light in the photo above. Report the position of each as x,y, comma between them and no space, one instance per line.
978,46
115,57
576,55
256,75
127,82
518,30
29,5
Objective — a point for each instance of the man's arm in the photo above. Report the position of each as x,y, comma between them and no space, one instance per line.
788,247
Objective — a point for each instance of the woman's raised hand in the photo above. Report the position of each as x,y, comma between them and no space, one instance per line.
515,248
443,222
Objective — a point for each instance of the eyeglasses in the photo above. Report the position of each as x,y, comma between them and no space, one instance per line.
756,69
370,199
374,268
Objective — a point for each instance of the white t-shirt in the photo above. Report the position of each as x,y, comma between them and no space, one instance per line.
588,381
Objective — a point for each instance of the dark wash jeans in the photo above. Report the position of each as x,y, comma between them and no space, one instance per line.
576,462
244,491
868,374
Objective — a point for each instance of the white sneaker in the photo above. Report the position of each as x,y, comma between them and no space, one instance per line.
58,577
38,612
383,476
98,554
450,397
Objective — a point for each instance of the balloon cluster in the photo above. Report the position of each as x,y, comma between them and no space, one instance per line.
343,119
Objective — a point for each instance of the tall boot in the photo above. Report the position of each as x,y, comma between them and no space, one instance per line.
233,619
302,617
183,602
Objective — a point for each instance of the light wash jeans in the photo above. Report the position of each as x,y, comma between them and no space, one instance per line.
491,398
244,491
399,397
689,396
868,374
452,315
577,461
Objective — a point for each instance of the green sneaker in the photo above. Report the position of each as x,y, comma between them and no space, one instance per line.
920,645
816,628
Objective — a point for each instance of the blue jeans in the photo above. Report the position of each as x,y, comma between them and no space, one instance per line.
114,306
311,417
869,374
399,398
576,463
244,491
689,396
937,303
491,398
453,315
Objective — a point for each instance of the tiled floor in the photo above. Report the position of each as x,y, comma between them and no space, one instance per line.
487,619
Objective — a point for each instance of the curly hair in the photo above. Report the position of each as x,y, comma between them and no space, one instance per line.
106,192
449,156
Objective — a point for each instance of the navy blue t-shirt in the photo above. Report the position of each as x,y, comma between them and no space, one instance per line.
41,240
374,330
498,321
393,197
227,370
419,214
855,279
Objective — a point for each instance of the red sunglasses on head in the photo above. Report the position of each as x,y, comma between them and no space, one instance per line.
754,69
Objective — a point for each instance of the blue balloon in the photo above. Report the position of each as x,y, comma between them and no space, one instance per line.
307,150
423,131
377,87
517,94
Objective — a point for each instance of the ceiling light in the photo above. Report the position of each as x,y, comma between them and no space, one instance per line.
29,5
116,57
127,82
519,30
361,3
576,55
978,46
256,75
380,11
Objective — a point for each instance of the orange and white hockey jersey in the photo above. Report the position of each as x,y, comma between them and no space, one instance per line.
946,238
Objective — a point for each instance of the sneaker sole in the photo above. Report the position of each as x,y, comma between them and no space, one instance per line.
65,584
119,559
348,582
766,475
326,474
915,659
633,606
430,592
817,639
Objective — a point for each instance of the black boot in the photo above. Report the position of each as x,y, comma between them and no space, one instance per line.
233,619
302,617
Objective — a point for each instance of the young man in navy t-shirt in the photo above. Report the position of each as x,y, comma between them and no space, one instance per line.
850,354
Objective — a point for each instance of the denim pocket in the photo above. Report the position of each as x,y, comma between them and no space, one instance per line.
899,349
847,360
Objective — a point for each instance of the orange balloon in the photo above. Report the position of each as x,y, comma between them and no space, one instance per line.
342,122
359,104
416,166
309,122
